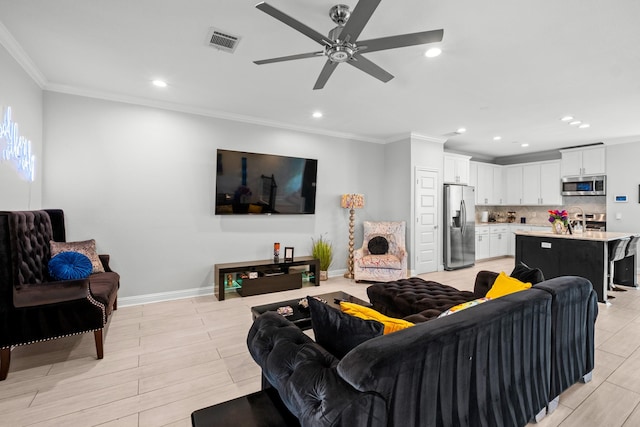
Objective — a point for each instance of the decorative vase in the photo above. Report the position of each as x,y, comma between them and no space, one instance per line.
558,227
324,275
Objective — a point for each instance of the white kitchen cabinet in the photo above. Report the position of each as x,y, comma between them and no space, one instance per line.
482,242
513,184
498,185
489,184
550,188
473,178
456,168
533,184
583,161
498,240
485,184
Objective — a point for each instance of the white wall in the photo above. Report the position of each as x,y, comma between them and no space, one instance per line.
428,155
623,178
398,186
141,181
24,96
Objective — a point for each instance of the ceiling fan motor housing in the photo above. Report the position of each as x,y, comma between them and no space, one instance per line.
339,14
340,52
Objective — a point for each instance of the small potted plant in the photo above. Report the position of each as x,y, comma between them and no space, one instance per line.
323,251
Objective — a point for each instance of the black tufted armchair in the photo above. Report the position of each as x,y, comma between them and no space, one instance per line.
34,308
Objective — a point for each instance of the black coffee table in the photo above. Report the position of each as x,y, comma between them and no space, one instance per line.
301,316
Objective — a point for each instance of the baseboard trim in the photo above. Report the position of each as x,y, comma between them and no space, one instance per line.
184,293
164,296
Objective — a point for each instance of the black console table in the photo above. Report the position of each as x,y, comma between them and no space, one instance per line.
272,276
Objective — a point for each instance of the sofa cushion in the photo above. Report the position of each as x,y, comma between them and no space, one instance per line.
505,285
391,324
338,332
70,266
407,297
524,273
378,246
380,261
85,247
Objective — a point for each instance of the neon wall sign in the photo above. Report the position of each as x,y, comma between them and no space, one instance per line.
16,148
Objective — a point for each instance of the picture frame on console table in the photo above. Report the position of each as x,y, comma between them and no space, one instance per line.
288,254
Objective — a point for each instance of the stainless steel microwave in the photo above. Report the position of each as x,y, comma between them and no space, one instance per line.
584,186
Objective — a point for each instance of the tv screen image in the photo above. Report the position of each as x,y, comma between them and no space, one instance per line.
254,183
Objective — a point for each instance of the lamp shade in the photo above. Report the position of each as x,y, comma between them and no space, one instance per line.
352,201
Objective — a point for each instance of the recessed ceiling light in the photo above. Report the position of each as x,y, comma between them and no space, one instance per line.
566,118
575,122
524,144
584,125
433,52
317,114
159,83
497,138
461,130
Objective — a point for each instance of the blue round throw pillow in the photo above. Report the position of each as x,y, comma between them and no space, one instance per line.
70,266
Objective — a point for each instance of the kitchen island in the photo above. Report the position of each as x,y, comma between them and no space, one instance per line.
579,254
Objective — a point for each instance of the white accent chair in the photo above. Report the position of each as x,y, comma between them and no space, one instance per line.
381,267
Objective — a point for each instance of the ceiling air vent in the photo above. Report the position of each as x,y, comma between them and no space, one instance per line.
222,40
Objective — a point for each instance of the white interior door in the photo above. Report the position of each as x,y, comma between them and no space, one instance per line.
426,221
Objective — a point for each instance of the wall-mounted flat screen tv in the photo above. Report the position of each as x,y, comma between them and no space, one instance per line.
253,183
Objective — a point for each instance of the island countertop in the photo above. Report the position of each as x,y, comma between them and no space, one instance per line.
599,236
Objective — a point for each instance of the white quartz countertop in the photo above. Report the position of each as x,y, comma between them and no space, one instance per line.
602,236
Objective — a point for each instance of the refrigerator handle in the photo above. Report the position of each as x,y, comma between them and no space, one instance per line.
463,211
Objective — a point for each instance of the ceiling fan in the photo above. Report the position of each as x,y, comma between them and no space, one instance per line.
342,43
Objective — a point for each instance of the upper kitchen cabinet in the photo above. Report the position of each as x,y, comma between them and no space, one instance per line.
583,161
541,183
513,184
473,178
456,168
489,185
533,184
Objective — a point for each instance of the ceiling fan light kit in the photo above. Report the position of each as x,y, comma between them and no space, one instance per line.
342,46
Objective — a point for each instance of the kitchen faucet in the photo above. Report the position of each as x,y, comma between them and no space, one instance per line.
584,221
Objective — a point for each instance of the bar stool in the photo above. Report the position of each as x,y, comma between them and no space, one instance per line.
617,251
632,247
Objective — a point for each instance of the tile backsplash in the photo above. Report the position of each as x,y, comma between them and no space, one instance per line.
538,215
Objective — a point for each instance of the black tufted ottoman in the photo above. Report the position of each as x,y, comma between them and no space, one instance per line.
415,299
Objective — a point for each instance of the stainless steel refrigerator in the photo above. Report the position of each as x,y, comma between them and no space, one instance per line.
459,226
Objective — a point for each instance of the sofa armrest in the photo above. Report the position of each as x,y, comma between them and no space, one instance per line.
305,376
484,282
33,295
104,259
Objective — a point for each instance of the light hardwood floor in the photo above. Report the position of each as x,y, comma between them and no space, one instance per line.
165,360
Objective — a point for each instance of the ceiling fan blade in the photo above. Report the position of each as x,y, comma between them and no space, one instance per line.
358,19
363,64
289,58
326,72
293,23
403,40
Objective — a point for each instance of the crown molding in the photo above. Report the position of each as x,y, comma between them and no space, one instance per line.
110,96
438,140
17,52
416,136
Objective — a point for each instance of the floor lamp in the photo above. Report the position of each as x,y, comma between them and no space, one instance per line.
351,202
